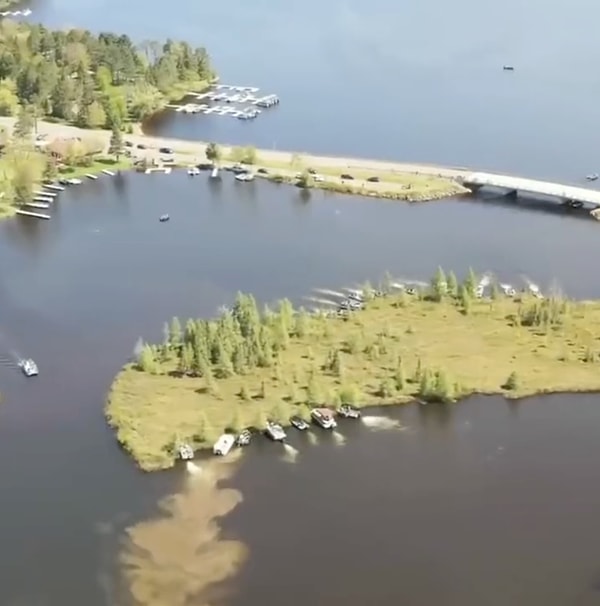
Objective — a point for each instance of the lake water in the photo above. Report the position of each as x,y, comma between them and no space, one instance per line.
399,80
494,503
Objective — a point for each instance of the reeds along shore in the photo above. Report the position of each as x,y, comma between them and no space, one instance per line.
438,343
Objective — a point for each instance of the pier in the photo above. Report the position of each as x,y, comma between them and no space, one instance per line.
514,185
28,213
242,102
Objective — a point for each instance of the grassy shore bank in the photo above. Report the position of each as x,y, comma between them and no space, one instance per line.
397,180
244,367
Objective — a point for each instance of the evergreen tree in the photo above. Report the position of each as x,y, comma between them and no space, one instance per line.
512,382
439,285
386,388
224,366
175,334
444,388
146,360
418,371
427,385
301,324
399,377
452,284
186,360
116,144
25,123
213,153
470,284
244,393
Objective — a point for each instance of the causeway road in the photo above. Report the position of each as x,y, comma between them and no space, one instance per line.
194,152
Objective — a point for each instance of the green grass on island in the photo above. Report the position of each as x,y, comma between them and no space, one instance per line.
440,345
308,173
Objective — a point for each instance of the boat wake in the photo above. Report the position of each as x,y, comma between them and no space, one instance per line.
381,423
192,468
340,439
179,556
291,453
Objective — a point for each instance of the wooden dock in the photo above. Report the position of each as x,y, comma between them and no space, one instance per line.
53,187
38,204
108,172
43,199
48,194
28,213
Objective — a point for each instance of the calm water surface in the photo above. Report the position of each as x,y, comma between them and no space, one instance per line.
494,504
419,81
77,291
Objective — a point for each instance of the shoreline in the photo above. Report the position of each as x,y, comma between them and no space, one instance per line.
397,180
398,350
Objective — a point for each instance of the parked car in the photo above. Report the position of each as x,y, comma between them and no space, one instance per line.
165,150
346,176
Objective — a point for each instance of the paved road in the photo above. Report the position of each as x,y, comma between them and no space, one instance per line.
194,151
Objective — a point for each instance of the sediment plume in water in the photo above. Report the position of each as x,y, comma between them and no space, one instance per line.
177,558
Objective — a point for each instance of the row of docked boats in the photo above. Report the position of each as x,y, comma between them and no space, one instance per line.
323,417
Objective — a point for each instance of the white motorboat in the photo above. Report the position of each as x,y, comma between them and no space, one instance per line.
29,367
224,444
275,432
323,417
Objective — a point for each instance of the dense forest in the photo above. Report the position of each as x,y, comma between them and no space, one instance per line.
95,81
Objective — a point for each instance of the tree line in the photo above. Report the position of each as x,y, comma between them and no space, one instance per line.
243,339
93,81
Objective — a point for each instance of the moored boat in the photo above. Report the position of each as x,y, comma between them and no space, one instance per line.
323,417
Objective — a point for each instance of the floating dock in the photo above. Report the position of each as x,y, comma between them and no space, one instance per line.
43,199
165,169
108,172
90,176
55,187
47,194
27,213
38,204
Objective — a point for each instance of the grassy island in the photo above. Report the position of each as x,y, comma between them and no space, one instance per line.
438,344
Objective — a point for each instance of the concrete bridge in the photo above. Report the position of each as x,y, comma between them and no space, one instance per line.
572,195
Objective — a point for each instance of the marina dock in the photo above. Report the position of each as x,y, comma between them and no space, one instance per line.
48,194
242,102
38,204
43,199
27,213
53,187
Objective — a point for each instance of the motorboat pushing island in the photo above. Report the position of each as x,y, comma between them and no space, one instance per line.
323,417
275,431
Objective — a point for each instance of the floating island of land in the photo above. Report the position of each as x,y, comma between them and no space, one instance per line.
435,344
